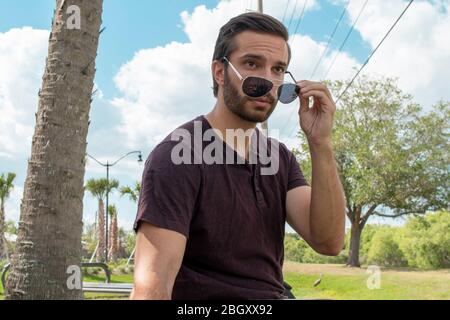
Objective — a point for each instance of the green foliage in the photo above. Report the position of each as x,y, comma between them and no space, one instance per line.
89,240
296,249
6,185
393,158
112,210
384,248
128,240
425,241
11,227
99,187
389,153
133,193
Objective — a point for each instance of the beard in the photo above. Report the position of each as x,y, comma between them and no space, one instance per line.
237,103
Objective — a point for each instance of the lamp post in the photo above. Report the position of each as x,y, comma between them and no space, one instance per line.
108,165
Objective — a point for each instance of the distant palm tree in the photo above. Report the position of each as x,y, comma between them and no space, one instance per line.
133,193
6,186
98,189
114,233
48,245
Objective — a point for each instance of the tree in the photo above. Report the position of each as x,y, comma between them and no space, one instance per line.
98,189
133,193
6,186
384,248
114,234
89,240
425,241
50,227
393,159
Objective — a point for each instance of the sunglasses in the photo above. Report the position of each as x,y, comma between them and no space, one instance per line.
256,87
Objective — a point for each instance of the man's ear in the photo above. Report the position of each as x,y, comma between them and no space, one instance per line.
217,69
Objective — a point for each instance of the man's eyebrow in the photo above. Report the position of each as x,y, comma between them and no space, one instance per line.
260,57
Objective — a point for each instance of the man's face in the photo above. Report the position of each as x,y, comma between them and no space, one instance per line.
259,55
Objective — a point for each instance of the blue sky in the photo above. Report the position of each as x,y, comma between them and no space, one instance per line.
143,35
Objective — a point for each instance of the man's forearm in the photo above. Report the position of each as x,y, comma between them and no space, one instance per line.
150,290
327,210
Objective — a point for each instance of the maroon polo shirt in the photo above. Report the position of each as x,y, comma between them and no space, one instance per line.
232,216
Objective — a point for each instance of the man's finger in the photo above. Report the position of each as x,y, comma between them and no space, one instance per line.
304,104
318,87
325,101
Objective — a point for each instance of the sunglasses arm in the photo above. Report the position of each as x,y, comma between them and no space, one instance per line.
232,67
295,81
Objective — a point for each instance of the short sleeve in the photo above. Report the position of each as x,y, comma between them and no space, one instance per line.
295,174
168,191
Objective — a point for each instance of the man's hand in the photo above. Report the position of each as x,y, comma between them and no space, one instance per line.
316,122
318,213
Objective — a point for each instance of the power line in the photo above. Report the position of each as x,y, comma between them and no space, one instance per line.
329,40
370,56
292,15
373,52
285,11
301,16
346,38
296,28
333,33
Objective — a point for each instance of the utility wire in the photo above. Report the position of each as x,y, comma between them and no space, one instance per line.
301,16
329,40
370,56
375,50
292,15
346,38
285,11
296,28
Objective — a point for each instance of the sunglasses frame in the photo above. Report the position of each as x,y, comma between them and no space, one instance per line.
225,59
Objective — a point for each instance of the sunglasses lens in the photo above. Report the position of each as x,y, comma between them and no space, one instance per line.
287,93
256,87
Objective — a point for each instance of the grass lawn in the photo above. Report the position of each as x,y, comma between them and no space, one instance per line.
343,283
338,282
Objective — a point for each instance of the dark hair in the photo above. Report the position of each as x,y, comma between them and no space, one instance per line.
252,21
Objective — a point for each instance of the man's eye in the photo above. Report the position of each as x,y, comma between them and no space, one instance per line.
279,69
250,64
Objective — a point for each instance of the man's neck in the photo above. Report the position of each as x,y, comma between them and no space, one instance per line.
221,119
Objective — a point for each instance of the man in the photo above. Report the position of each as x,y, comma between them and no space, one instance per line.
215,231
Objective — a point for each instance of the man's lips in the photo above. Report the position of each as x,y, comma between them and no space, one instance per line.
262,102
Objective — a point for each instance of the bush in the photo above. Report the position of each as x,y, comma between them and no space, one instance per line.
384,249
425,241
294,248
297,250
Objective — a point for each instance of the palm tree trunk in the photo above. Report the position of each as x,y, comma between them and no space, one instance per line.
101,231
50,227
114,239
2,229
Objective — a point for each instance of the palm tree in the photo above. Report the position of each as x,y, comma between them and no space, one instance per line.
114,235
98,189
50,227
6,186
133,193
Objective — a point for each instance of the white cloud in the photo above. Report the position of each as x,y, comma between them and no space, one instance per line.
12,204
416,52
166,86
22,61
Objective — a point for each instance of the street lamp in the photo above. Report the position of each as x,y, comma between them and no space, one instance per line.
108,165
